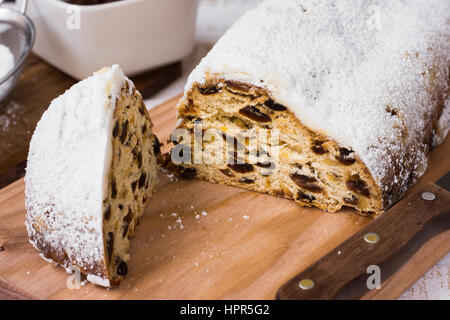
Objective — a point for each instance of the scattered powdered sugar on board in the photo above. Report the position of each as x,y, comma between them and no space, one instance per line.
6,60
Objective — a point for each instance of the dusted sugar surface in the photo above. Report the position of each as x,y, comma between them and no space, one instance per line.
366,73
67,171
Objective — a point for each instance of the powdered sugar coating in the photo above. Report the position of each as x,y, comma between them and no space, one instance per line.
68,165
370,74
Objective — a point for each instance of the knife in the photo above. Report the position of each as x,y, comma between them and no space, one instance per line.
377,250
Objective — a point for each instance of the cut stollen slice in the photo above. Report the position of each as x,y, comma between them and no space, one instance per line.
91,170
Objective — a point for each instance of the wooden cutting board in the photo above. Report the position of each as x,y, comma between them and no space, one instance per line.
205,241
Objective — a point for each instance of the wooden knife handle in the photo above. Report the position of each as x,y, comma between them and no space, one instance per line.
342,273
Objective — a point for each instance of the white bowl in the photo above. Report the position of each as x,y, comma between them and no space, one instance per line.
137,34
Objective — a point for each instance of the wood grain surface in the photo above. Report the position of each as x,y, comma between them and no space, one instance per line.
38,85
205,241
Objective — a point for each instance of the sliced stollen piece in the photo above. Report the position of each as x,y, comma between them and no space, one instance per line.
91,170
352,95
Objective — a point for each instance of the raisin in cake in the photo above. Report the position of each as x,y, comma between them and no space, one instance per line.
91,170
351,96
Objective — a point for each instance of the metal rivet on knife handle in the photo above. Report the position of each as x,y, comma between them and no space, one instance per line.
306,284
428,196
371,237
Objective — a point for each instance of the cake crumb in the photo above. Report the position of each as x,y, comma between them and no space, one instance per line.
7,60
9,116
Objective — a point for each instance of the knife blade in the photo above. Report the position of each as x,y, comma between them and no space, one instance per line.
382,247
